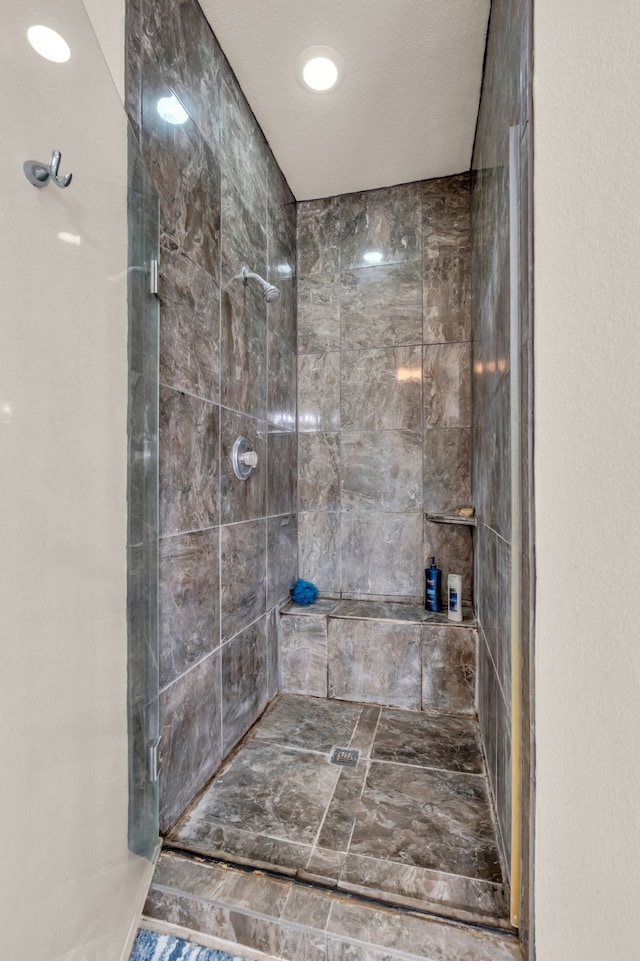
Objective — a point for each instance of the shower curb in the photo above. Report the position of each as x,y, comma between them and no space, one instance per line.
286,919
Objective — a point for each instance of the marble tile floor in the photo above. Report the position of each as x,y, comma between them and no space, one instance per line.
411,824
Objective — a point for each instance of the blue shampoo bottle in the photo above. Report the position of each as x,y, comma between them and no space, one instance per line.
433,587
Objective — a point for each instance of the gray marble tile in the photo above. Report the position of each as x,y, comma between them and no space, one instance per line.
281,384
244,355
307,907
282,463
369,542
189,326
442,618
430,741
319,392
445,216
319,471
245,157
282,557
190,728
243,551
447,385
447,300
324,867
243,243
454,896
452,545
244,682
381,306
189,471
319,549
319,313
318,237
340,816
320,608
213,882
217,839
446,469
378,611
374,661
401,818
217,920
449,670
273,652
381,389
187,176
242,500
384,223
381,470
189,601
300,787
362,739
489,698
176,38
314,724
142,457
281,248
502,626
422,937
304,655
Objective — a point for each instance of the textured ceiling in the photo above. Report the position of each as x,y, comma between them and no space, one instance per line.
406,109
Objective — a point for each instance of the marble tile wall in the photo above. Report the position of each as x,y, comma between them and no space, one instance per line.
228,549
384,387
506,101
386,654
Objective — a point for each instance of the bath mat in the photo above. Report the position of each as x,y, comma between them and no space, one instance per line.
150,946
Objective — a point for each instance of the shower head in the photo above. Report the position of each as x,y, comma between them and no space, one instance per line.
269,292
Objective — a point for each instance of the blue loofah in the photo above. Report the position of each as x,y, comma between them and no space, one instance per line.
304,592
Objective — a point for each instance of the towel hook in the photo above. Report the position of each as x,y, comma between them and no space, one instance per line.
39,174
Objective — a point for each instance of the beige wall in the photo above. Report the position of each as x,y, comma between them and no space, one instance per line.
587,470
68,886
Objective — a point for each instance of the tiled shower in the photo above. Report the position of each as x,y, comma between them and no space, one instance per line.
359,389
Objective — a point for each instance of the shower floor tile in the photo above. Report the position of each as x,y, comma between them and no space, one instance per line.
410,824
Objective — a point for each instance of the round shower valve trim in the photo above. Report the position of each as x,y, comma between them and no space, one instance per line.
243,458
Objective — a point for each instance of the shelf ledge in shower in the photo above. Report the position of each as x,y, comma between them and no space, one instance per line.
452,519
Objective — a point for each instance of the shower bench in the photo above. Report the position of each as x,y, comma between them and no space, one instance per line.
389,653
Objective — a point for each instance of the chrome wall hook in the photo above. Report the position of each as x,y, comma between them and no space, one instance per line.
39,174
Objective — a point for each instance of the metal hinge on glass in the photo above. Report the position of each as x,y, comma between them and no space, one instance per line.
153,759
153,277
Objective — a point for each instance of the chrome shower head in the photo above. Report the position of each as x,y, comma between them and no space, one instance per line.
269,292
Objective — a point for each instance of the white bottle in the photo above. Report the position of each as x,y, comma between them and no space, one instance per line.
454,590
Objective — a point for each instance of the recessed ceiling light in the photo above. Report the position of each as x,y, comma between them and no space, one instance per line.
373,256
171,110
320,69
49,44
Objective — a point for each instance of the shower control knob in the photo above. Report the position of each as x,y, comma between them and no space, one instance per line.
250,458
243,458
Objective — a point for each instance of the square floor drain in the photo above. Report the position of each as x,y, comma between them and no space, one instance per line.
345,756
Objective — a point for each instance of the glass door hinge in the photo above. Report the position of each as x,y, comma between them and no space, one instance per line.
153,277
153,759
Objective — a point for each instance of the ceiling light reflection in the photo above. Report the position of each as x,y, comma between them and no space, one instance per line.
70,238
171,110
409,373
49,44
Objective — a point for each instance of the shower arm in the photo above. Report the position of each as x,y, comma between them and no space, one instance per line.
269,292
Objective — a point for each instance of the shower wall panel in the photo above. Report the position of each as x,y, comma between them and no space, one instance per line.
505,102
228,548
384,387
